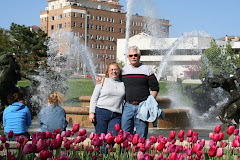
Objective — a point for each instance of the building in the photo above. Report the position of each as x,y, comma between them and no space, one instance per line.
183,53
99,23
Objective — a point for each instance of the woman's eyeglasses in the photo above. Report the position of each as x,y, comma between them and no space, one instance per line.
131,55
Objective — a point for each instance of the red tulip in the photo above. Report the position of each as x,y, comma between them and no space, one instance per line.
119,139
117,127
135,141
10,134
92,135
196,147
83,131
230,130
48,134
215,137
189,133
58,141
153,139
1,147
173,156
44,154
160,146
26,149
181,139
235,132
109,139
212,151
67,145
172,134
181,134
76,127
217,129
58,130
3,138
220,152
220,136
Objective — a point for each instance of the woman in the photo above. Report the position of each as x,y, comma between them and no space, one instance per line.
53,116
16,116
107,101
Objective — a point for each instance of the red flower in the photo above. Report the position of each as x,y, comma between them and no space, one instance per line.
135,141
215,137
160,146
76,127
181,134
10,134
189,133
220,136
57,141
217,129
172,134
58,130
109,138
119,139
44,154
220,152
153,139
48,134
235,132
212,151
230,130
83,131
173,156
117,127
196,147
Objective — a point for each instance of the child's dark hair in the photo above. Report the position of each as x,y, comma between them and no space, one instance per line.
14,97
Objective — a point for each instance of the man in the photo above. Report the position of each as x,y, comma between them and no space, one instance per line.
138,79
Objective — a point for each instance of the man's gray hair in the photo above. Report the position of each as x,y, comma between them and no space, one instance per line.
134,48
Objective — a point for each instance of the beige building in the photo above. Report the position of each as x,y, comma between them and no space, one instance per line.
99,23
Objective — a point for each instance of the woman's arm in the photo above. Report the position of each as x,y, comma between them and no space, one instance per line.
93,101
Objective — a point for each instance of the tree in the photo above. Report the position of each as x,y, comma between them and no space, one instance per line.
4,42
220,60
28,47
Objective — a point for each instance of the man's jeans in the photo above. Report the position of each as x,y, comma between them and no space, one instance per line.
129,120
105,121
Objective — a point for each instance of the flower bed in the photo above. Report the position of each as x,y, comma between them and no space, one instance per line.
75,145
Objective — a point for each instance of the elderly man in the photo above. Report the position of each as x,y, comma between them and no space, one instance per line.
138,79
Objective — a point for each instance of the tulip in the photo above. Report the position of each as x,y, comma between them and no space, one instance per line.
44,154
140,156
117,127
135,141
181,139
142,148
217,129
235,132
102,136
215,137
83,131
181,134
110,139
58,130
141,140
211,135
235,143
196,148
153,139
172,134
212,143
173,156
220,136
189,133
160,146
92,135
220,152
26,149
58,141
119,139
3,138
48,134
76,127
10,134
230,130
1,147
212,151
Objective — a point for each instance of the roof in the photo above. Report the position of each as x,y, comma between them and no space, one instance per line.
34,26
112,3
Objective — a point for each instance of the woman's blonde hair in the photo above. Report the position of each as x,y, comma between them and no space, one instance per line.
112,63
56,98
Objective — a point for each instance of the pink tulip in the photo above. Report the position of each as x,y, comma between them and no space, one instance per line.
140,156
10,134
117,127
147,144
102,136
181,139
58,141
141,140
217,129
92,135
215,137
230,130
26,149
220,152
212,143
235,143
172,134
189,133
181,134
211,135
76,127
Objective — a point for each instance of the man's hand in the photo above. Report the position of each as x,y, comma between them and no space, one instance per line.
154,94
91,117
99,80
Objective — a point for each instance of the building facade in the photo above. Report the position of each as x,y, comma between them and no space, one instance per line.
99,23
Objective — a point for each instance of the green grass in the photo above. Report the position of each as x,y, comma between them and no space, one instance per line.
84,87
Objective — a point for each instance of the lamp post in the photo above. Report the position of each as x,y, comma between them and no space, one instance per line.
86,21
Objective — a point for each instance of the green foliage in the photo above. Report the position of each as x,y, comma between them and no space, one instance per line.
4,42
220,60
28,47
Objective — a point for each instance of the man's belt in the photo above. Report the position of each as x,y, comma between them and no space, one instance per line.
134,102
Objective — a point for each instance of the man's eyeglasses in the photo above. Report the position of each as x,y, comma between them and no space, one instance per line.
131,55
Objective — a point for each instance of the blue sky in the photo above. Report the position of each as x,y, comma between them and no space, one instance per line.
216,17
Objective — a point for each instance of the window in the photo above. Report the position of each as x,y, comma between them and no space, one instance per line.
91,26
68,24
96,48
96,37
60,16
91,45
102,37
60,5
65,15
74,24
87,36
52,18
109,29
120,30
75,14
110,19
112,47
92,17
103,46
52,6
103,18
100,18
113,20
60,25
100,27
91,36
135,23
96,27
81,25
109,47
120,21
109,56
88,17
52,27
109,38
112,56
97,18
69,14
65,24
112,38
81,15
81,35
88,26
106,37
112,29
